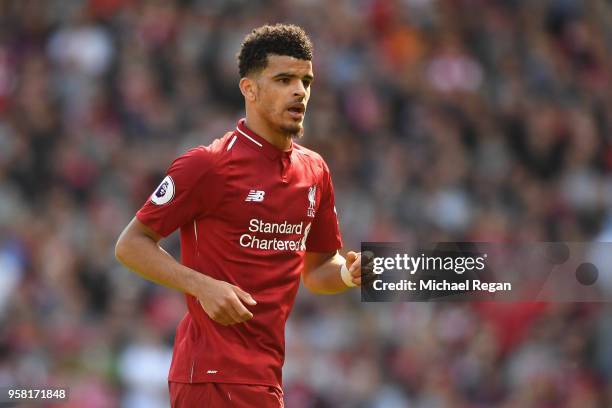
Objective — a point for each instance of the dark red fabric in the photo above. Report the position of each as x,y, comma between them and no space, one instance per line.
247,213
220,395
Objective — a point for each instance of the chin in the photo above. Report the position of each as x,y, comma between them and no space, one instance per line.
295,130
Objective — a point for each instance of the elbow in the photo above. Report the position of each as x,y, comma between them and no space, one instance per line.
313,285
308,284
121,249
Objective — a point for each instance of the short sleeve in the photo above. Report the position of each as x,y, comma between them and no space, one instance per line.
180,198
324,235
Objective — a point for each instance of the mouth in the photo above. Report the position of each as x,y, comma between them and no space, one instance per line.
297,110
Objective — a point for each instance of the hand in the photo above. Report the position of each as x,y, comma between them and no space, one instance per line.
353,264
224,302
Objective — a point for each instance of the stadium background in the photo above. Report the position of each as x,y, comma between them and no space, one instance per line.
440,120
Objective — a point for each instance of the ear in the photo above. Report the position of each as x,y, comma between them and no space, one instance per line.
248,87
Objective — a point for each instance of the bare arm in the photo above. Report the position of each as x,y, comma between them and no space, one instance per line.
321,271
138,249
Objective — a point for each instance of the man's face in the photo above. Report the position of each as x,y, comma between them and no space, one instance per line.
283,90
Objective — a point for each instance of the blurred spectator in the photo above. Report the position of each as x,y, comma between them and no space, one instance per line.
440,119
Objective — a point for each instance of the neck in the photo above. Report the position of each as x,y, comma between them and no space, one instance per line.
281,140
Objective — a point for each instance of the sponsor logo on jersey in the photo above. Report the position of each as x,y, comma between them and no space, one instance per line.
303,242
164,193
289,237
255,195
312,196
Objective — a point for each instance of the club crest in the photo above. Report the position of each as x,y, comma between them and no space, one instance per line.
312,198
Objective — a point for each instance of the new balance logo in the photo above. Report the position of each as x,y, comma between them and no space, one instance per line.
255,195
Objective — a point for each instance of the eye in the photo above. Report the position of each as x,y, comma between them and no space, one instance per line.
306,83
284,80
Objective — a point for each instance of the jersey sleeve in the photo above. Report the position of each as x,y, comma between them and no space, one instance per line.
180,198
324,235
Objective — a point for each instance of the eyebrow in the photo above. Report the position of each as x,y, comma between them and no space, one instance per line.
290,75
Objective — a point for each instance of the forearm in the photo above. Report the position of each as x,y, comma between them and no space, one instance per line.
326,278
147,258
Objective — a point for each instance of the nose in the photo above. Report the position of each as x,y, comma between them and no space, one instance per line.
299,90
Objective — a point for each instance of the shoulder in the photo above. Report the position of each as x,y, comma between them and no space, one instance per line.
213,151
311,157
201,159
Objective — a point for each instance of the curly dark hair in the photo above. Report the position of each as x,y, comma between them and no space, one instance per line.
278,39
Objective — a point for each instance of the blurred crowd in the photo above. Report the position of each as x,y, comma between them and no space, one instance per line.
484,120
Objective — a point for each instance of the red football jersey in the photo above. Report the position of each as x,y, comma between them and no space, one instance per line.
247,213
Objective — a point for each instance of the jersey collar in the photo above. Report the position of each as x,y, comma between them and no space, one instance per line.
271,151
